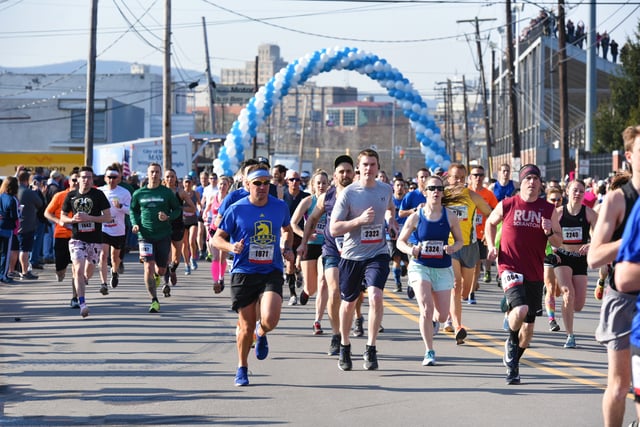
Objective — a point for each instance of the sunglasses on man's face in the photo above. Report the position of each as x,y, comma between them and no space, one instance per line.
294,179
435,187
260,183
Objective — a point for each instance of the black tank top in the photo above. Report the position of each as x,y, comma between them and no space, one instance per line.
575,229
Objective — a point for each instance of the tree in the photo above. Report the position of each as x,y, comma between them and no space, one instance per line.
623,108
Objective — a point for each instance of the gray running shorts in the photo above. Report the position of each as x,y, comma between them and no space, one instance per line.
616,314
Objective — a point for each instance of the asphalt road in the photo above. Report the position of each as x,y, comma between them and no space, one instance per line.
123,365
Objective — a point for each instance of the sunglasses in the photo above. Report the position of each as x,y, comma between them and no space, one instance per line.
74,180
293,179
435,187
111,177
260,183
477,175
555,200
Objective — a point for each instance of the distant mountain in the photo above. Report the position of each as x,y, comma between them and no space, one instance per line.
102,67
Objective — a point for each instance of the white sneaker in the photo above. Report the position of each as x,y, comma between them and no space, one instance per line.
448,326
293,300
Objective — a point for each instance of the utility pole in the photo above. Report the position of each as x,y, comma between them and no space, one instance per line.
91,87
494,76
466,123
513,110
451,120
485,108
562,86
255,89
211,84
166,90
301,142
592,99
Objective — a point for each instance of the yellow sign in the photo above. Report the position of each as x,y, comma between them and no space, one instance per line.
62,162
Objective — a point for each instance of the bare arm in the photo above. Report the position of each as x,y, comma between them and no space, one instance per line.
602,250
490,231
298,214
481,204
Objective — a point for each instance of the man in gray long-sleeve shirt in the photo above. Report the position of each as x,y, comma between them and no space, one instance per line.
30,202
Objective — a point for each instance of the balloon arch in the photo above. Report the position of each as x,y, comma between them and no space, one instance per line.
269,96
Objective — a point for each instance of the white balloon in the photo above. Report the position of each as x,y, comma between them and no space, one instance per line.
368,68
406,105
445,164
438,159
399,85
231,151
441,143
420,128
416,108
378,66
429,133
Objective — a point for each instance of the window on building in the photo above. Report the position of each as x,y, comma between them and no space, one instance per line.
99,125
349,117
333,117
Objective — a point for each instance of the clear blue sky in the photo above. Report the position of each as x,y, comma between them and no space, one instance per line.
421,39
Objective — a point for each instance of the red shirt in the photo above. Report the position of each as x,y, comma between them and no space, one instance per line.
523,241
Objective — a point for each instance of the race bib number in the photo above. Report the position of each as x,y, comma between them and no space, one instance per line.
261,254
146,249
462,212
432,249
572,234
111,223
86,227
371,234
478,219
511,279
320,227
339,243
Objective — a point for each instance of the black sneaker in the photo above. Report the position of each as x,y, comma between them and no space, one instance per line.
344,363
398,289
166,290
553,325
403,270
410,293
334,347
104,289
114,279
358,330
370,358
74,303
304,298
510,354
513,376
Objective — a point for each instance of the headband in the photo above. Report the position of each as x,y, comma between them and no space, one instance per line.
529,170
258,173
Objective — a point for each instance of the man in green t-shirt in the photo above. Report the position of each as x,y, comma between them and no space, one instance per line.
152,209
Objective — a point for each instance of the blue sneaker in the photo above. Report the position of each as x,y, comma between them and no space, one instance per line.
262,346
194,264
242,379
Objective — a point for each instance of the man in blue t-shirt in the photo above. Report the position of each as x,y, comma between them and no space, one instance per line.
251,229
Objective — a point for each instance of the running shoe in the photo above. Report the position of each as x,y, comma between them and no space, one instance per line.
358,329
304,298
317,329
262,346
166,290
344,362
398,289
429,358
218,286
154,307
242,377
84,310
74,303
334,347
194,264
293,300
461,334
114,279
28,276
403,270
381,329
472,298
513,376
187,270
448,326
104,289
571,341
209,258
410,292
173,277
598,292
553,325
487,277
370,358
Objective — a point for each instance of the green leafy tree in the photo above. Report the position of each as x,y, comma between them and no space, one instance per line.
623,108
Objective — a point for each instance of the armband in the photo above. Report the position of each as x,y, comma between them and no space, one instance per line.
550,234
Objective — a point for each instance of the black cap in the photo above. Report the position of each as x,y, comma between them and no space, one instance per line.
263,160
342,159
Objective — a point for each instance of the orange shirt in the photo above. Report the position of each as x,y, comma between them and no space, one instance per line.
54,208
480,219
